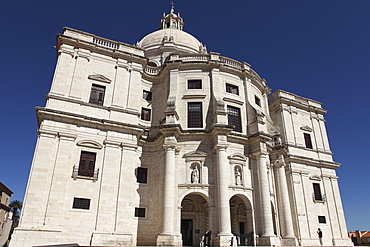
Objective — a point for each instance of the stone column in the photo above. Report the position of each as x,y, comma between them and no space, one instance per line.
267,223
223,175
223,199
169,237
169,191
287,223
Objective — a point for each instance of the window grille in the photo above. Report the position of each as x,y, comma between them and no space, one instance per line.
81,203
195,115
233,117
194,84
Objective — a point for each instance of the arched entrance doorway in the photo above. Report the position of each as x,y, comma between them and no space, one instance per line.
242,220
194,219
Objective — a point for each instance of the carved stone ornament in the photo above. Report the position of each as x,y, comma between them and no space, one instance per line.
89,144
315,177
238,157
195,156
100,78
306,128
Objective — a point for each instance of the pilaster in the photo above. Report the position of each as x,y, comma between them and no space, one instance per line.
286,215
168,236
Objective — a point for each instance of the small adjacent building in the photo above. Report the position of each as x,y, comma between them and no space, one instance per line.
164,143
5,214
360,238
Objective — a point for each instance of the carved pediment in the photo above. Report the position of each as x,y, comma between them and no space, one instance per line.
90,144
238,156
100,78
315,177
195,154
306,128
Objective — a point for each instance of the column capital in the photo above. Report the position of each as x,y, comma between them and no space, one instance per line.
258,154
220,147
169,146
279,162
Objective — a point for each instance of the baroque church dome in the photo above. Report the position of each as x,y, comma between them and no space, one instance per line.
171,37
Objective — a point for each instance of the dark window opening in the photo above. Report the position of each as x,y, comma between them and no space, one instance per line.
322,219
307,140
152,64
97,94
87,164
145,114
147,95
81,203
232,89
257,100
317,192
142,175
194,84
195,116
233,118
139,212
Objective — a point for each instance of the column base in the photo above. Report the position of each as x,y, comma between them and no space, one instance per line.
268,241
223,240
342,242
289,241
169,240
106,238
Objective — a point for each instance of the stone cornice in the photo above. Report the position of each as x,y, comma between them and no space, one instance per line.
206,61
93,47
80,102
281,98
51,114
5,189
235,101
310,161
308,149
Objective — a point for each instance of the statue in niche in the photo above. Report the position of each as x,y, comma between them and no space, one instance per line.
195,175
238,176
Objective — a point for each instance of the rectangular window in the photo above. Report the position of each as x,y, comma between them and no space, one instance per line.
233,118
194,84
145,114
141,176
307,140
322,219
81,203
257,100
139,212
195,115
232,89
317,192
147,95
97,94
87,164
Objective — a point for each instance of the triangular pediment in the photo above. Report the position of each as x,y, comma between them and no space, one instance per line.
90,144
100,78
194,154
306,128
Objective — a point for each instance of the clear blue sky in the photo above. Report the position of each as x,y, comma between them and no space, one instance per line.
316,49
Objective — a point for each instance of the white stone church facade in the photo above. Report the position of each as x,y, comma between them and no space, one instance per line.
160,142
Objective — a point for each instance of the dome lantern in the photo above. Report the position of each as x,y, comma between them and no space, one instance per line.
172,20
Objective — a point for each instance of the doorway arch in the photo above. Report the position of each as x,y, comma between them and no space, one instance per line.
241,217
194,219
